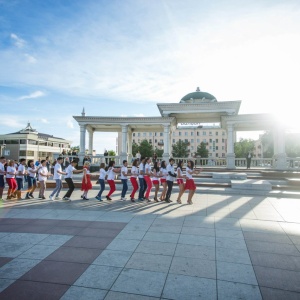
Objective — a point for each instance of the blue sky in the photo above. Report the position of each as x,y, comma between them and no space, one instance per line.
121,57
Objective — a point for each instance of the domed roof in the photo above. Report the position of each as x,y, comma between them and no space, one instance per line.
198,97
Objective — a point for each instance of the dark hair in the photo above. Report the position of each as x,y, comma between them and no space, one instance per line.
163,164
111,163
155,166
43,160
29,162
124,161
2,157
179,165
59,158
192,164
134,163
171,159
22,159
74,161
102,165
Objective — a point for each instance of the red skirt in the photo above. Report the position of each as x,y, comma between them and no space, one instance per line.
155,181
86,186
190,184
179,181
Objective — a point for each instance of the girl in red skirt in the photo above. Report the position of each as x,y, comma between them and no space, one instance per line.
163,180
180,180
155,179
133,180
86,180
111,174
11,179
190,184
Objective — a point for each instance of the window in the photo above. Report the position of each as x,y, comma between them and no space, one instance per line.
161,134
133,134
192,147
9,142
139,134
144,133
186,140
179,133
217,132
223,154
223,132
192,140
155,140
133,141
204,132
210,147
150,141
198,141
223,140
223,148
217,147
173,141
204,141
186,133
192,133
210,133
217,140
150,133
198,133
210,140
23,142
22,152
217,155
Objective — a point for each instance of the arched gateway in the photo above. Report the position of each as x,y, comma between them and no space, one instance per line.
196,107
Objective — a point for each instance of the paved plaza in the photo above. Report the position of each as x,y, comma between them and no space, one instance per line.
222,247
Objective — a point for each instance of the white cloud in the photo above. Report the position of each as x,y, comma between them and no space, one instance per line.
17,41
11,121
43,120
33,95
138,115
30,58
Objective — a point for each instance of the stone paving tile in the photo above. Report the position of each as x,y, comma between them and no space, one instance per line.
236,291
165,228
124,296
275,294
99,232
15,221
24,290
180,287
156,248
44,222
107,225
55,240
149,262
277,248
55,272
65,230
123,245
227,233
17,268
4,260
140,282
79,293
25,238
88,242
229,243
4,283
233,255
266,237
38,252
271,260
295,239
161,237
236,273
13,249
10,227
198,231
99,277
74,254
113,258
193,267
131,234
193,251
197,240
73,223
278,278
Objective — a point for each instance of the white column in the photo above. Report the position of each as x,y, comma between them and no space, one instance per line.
230,147
280,154
91,139
123,153
82,139
81,153
129,149
166,154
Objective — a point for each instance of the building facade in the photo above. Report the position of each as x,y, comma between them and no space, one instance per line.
213,136
28,143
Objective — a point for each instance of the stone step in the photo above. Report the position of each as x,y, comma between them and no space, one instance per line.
251,184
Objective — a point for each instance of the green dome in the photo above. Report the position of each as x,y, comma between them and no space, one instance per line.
198,96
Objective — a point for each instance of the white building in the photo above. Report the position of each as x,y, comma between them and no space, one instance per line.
28,143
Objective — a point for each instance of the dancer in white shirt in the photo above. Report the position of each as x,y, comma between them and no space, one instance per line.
101,181
133,179
190,184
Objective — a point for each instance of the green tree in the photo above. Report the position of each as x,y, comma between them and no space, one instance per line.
75,148
180,149
159,152
135,149
201,150
145,148
267,141
111,153
242,147
292,145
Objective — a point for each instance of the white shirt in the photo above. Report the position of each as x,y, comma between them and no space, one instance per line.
134,171
102,174
147,170
164,173
179,173
69,170
138,155
44,171
111,174
155,176
2,169
141,170
21,169
124,169
188,175
170,168
10,169
31,169
57,168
